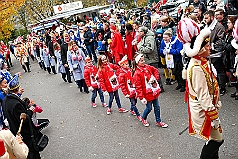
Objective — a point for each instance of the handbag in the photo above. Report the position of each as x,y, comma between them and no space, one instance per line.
40,141
75,66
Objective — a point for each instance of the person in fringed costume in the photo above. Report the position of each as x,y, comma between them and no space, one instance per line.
202,88
22,54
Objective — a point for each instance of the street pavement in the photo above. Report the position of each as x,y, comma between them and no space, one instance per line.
78,131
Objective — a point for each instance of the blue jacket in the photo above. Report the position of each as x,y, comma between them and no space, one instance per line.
175,47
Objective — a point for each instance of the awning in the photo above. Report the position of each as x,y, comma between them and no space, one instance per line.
70,13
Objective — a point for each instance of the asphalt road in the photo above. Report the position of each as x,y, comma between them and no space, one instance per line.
78,131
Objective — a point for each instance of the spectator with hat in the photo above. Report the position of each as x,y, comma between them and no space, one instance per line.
13,106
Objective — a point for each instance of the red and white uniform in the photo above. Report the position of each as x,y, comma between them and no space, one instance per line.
126,82
90,75
108,78
144,87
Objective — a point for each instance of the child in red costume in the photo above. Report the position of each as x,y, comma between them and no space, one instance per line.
108,82
147,88
127,86
91,79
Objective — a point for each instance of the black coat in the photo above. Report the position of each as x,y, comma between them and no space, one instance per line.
64,50
13,106
51,48
87,37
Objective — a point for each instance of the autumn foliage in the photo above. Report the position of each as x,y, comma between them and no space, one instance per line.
8,9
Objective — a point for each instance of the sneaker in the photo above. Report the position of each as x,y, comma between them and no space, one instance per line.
139,118
122,110
167,82
173,82
162,124
94,105
222,92
132,112
144,122
104,105
109,111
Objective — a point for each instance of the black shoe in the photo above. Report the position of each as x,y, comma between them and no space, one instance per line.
222,92
233,95
64,79
70,82
162,90
178,87
86,92
183,89
236,98
167,82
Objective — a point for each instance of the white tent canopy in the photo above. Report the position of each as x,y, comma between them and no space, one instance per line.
70,13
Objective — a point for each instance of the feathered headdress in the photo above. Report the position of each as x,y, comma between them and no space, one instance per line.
234,42
190,35
193,39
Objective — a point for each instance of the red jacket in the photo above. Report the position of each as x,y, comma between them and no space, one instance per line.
126,82
117,46
108,78
142,77
90,75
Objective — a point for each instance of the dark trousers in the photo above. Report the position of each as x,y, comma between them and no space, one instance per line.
91,52
68,74
221,75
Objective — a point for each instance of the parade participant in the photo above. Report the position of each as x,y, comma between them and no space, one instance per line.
76,64
60,67
13,106
49,61
6,53
91,79
116,44
202,88
130,49
22,54
234,43
127,86
63,51
12,147
37,46
108,82
170,47
145,78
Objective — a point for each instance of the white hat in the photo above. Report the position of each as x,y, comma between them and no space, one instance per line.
123,60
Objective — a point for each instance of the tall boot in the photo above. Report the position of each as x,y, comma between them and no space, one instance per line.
210,150
49,70
40,65
24,68
64,76
28,66
85,87
79,83
53,69
43,65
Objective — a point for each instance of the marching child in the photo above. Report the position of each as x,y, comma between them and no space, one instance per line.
91,79
108,82
127,86
147,88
